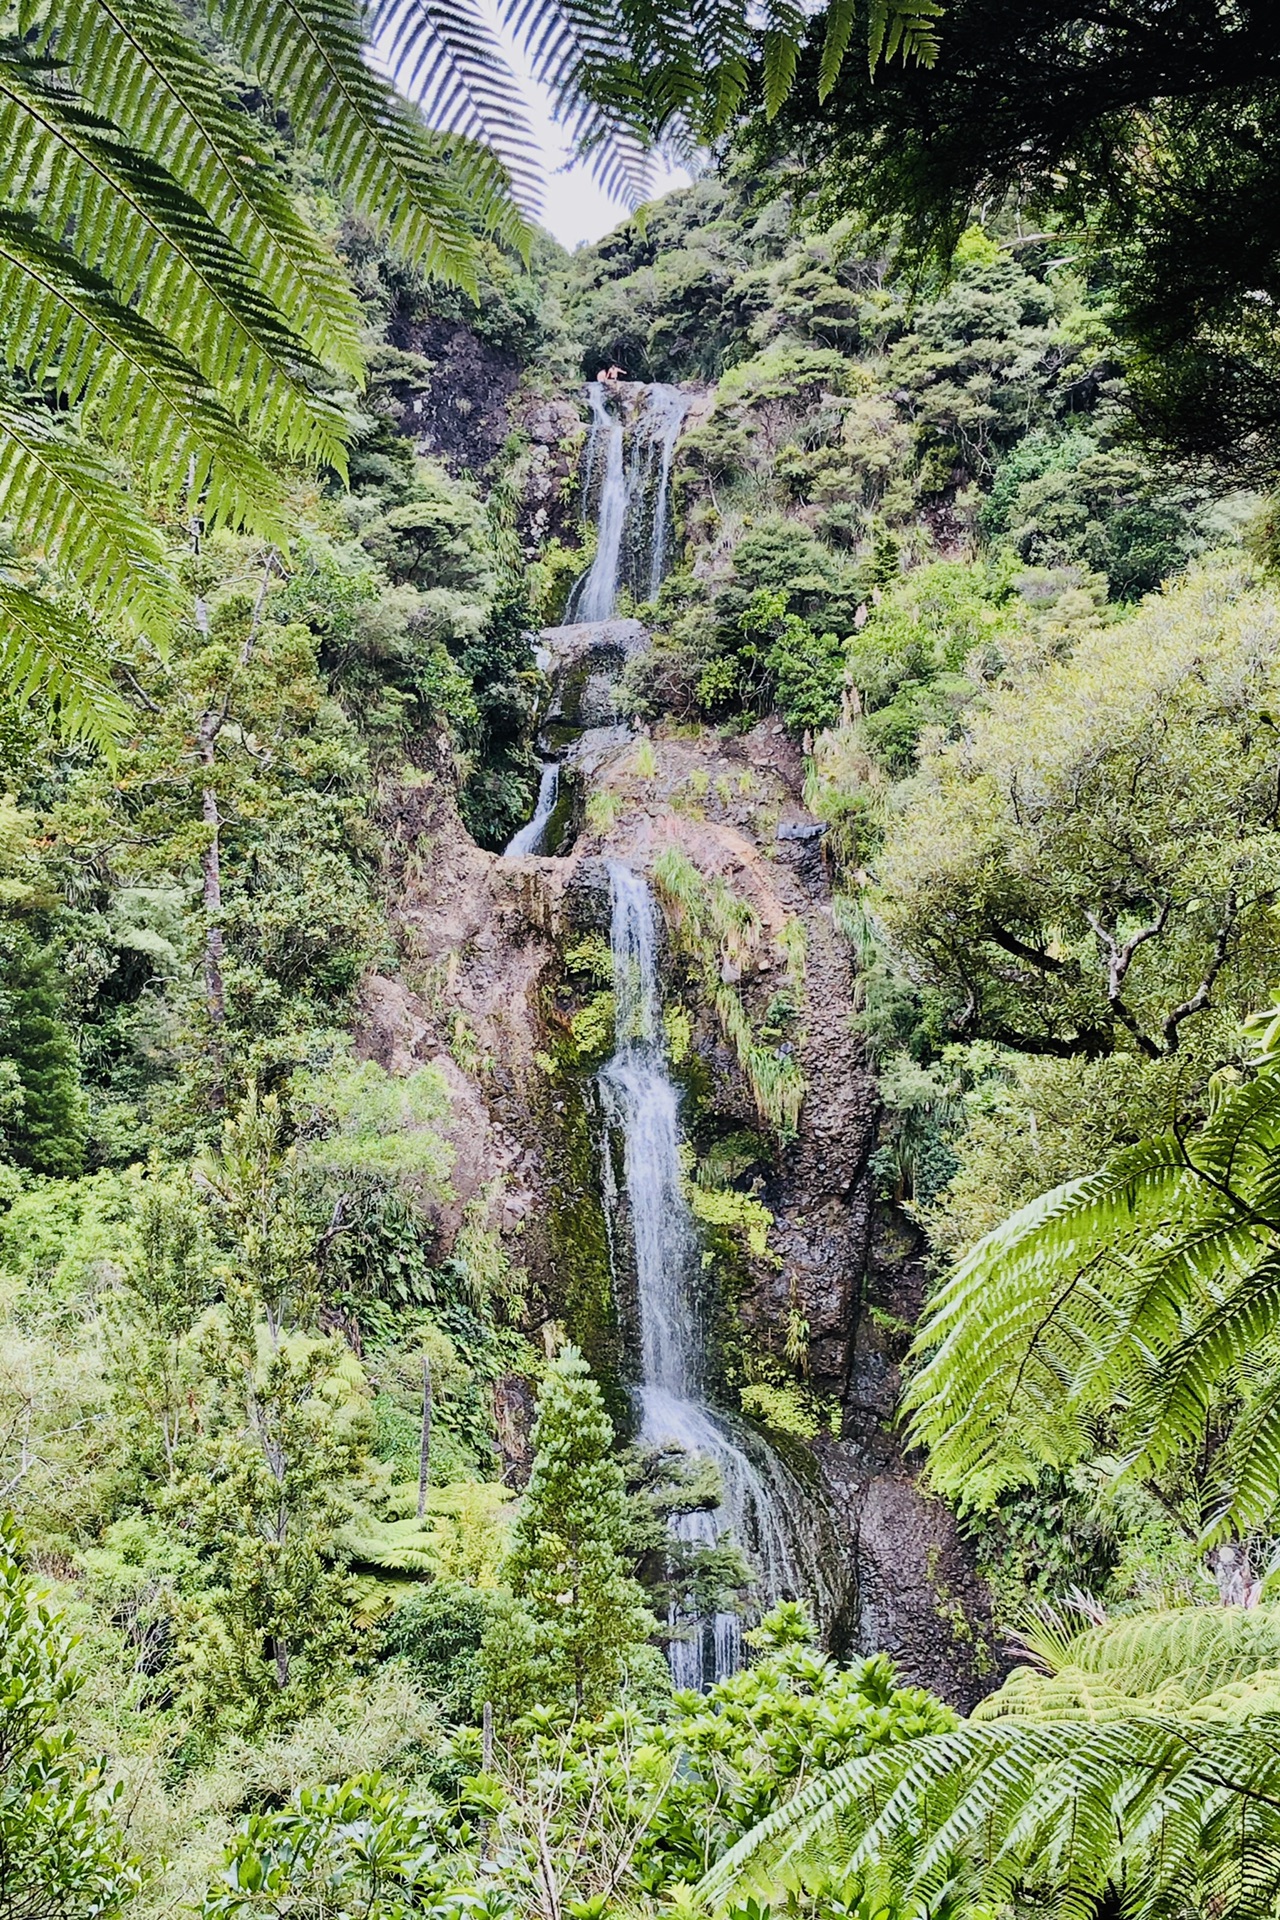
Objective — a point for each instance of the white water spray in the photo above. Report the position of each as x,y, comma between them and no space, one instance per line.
760,1501
531,835
631,492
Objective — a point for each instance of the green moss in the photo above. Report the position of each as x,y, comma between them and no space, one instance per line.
716,930
581,1275
592,1028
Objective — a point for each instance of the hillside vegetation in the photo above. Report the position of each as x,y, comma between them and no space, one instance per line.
330,1581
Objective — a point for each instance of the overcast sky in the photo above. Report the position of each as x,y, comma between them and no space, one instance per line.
574,207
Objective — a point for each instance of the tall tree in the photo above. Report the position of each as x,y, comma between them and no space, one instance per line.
568,1564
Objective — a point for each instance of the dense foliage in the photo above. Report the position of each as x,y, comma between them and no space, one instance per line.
354,1635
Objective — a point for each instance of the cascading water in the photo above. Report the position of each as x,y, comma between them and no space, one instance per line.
761,1503
631,493
531,835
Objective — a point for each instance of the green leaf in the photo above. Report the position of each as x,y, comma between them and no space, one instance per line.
43,650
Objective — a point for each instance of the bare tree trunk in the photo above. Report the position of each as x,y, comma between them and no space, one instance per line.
215,997
424,1451
486,1737
1234,1575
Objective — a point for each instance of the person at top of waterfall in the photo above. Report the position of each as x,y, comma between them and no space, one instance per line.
610,374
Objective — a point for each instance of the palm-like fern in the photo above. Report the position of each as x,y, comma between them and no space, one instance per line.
164,300
156,278
1148,1762
623,73
1142,1293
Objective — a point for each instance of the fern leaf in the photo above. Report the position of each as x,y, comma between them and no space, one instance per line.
445,55
1165,1806
415,187
89,528
840,18
1249,1470
907,27
129,220
139,68
781,52
1171,1407
1033,1311
578,51
44,650
65,328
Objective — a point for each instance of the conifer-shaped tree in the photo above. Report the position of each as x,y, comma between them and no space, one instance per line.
568,1566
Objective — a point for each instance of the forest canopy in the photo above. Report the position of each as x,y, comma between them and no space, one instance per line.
353,1550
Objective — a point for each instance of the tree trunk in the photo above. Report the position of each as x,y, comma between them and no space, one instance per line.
215,998
424,1451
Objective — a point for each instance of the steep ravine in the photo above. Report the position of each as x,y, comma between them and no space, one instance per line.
483,941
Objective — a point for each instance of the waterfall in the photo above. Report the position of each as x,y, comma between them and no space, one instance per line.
631,493
761,1503
531,835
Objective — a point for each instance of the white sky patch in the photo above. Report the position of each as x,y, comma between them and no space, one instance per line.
575,208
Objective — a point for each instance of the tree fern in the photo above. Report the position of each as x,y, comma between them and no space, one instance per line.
415,187
1137,1293
1149,1761
626,73
43,649
139,67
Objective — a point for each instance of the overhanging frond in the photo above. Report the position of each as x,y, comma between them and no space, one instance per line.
444,54
130,221
1034,1311
43,650
138,66
89,528
65,329
412,185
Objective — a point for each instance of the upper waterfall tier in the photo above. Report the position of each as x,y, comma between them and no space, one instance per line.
627,487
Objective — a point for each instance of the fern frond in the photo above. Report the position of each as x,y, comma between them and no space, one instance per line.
906,27
65,328
447,58
1163,1806
392,1546
1170,1409
89,528
130,221
1178,1659
839,32
43,650
1034,1309
1249,1469
590,57
415,187
139,68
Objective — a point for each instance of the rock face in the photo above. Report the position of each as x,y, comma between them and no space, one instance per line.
549,504
482,940
462,414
